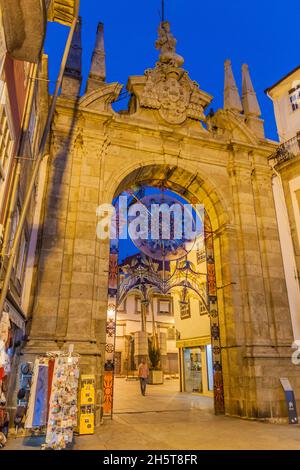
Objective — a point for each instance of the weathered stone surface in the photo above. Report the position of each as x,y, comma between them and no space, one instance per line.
224,168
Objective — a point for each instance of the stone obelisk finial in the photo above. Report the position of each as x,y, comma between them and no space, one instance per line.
232,98
250,104
72,77
97,74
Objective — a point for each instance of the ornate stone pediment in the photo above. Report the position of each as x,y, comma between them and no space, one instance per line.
169,88
227,124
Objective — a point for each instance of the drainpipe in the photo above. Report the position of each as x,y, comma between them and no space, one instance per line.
37,162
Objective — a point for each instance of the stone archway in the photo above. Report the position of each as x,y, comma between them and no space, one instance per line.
195,191
95,153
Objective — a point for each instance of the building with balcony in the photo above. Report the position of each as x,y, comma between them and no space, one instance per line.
285,162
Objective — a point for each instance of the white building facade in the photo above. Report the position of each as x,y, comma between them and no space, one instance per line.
285,163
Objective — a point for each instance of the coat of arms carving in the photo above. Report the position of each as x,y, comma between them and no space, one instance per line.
168,87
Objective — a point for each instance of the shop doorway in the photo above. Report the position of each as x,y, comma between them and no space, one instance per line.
197,370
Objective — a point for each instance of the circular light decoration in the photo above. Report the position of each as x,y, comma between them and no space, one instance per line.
111,310
162,227
109,348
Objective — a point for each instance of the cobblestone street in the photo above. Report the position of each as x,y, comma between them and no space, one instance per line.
166,419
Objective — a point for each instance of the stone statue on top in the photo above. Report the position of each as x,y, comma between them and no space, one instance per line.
166,44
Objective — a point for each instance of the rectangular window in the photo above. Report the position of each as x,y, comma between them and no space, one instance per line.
6,133
21,259
171,333
201,255
14,225
32,128
122,307
164,306
138,305
185,309
202,308
294,95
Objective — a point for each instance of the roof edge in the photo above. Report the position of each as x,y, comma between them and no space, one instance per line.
267,90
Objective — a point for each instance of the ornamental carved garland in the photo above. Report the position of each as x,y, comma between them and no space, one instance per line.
170,90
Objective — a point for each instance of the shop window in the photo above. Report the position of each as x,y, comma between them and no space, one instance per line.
193,381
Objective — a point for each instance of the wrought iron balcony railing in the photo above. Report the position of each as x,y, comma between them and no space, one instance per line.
287,151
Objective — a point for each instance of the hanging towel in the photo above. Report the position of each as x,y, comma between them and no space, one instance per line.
41,397
50,380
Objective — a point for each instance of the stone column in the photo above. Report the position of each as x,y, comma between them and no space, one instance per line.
163,351
144,308
253,366
140,346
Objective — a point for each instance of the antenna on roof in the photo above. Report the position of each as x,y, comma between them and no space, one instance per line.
162,10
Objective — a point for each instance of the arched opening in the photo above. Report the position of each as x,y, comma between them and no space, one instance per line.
194,190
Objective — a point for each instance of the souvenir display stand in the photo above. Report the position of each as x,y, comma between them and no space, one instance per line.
52,407
63,402
5,339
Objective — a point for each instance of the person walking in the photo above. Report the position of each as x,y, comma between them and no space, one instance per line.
143,375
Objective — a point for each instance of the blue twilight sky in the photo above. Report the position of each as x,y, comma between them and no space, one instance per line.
262,33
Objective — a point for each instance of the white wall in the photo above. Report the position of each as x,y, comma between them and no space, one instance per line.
287,120
194,327
287,249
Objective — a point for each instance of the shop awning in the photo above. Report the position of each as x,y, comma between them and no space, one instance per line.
62,11
193,342
25,21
